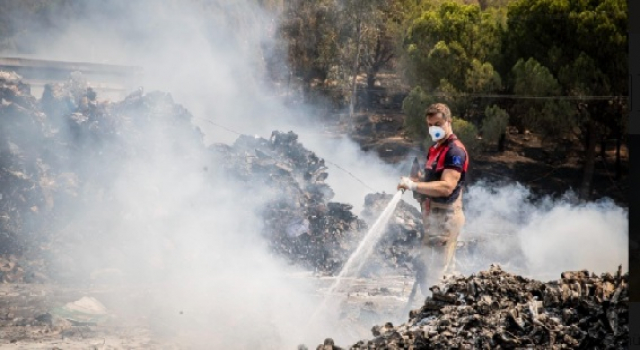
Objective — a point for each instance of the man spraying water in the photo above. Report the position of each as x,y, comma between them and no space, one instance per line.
438,189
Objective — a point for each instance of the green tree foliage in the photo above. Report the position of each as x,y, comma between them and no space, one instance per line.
484,4
379,20
481,78
583,45
548,116
360,20
444,41
332,42
311,31
413,107
557,32
452,49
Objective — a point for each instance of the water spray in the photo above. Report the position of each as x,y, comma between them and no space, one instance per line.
359,257
357,260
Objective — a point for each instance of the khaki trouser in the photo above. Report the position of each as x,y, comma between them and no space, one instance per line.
442,225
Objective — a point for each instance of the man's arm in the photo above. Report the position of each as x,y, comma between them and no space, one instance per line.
453,166
442,188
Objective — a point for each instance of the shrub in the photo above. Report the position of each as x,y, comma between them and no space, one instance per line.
467,133
494,124
413,107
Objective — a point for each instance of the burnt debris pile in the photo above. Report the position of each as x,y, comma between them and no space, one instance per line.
15,270
495,309
301,222
67,151
397,247
63,152
22,196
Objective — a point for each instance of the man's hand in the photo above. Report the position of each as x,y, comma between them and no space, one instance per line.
417,177
406,183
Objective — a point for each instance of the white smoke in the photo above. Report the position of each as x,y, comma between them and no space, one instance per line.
593,236
547,236
353,173
194,233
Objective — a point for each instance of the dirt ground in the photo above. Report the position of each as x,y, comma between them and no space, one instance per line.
136,316
29,318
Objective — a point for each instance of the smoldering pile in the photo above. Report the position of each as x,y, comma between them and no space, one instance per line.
301,221
55,159
21,196
495,309
13,270
398,246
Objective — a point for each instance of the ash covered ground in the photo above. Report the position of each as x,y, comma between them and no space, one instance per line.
121,229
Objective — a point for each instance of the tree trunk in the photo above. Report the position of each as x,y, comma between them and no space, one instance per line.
371,78
618,161
501,142
288,92
589,164
356,65
371,81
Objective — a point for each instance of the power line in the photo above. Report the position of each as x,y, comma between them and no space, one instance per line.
532,97
220,126
337,166
525,97
559,14
326,161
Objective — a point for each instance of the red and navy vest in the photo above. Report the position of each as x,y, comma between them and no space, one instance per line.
451,154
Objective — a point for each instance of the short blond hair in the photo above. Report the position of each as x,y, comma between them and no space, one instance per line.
439,108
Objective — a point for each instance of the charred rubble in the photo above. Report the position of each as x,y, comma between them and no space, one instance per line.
397,247
495,309
301,221
21,197
55,157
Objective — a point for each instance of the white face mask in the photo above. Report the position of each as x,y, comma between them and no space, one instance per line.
437,133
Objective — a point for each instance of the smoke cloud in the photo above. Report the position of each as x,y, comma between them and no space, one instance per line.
196,230
170,218
546,237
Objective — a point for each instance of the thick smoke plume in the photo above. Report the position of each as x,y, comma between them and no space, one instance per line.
173,218
545,237
169,215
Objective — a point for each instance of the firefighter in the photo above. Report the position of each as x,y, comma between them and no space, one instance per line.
439,189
